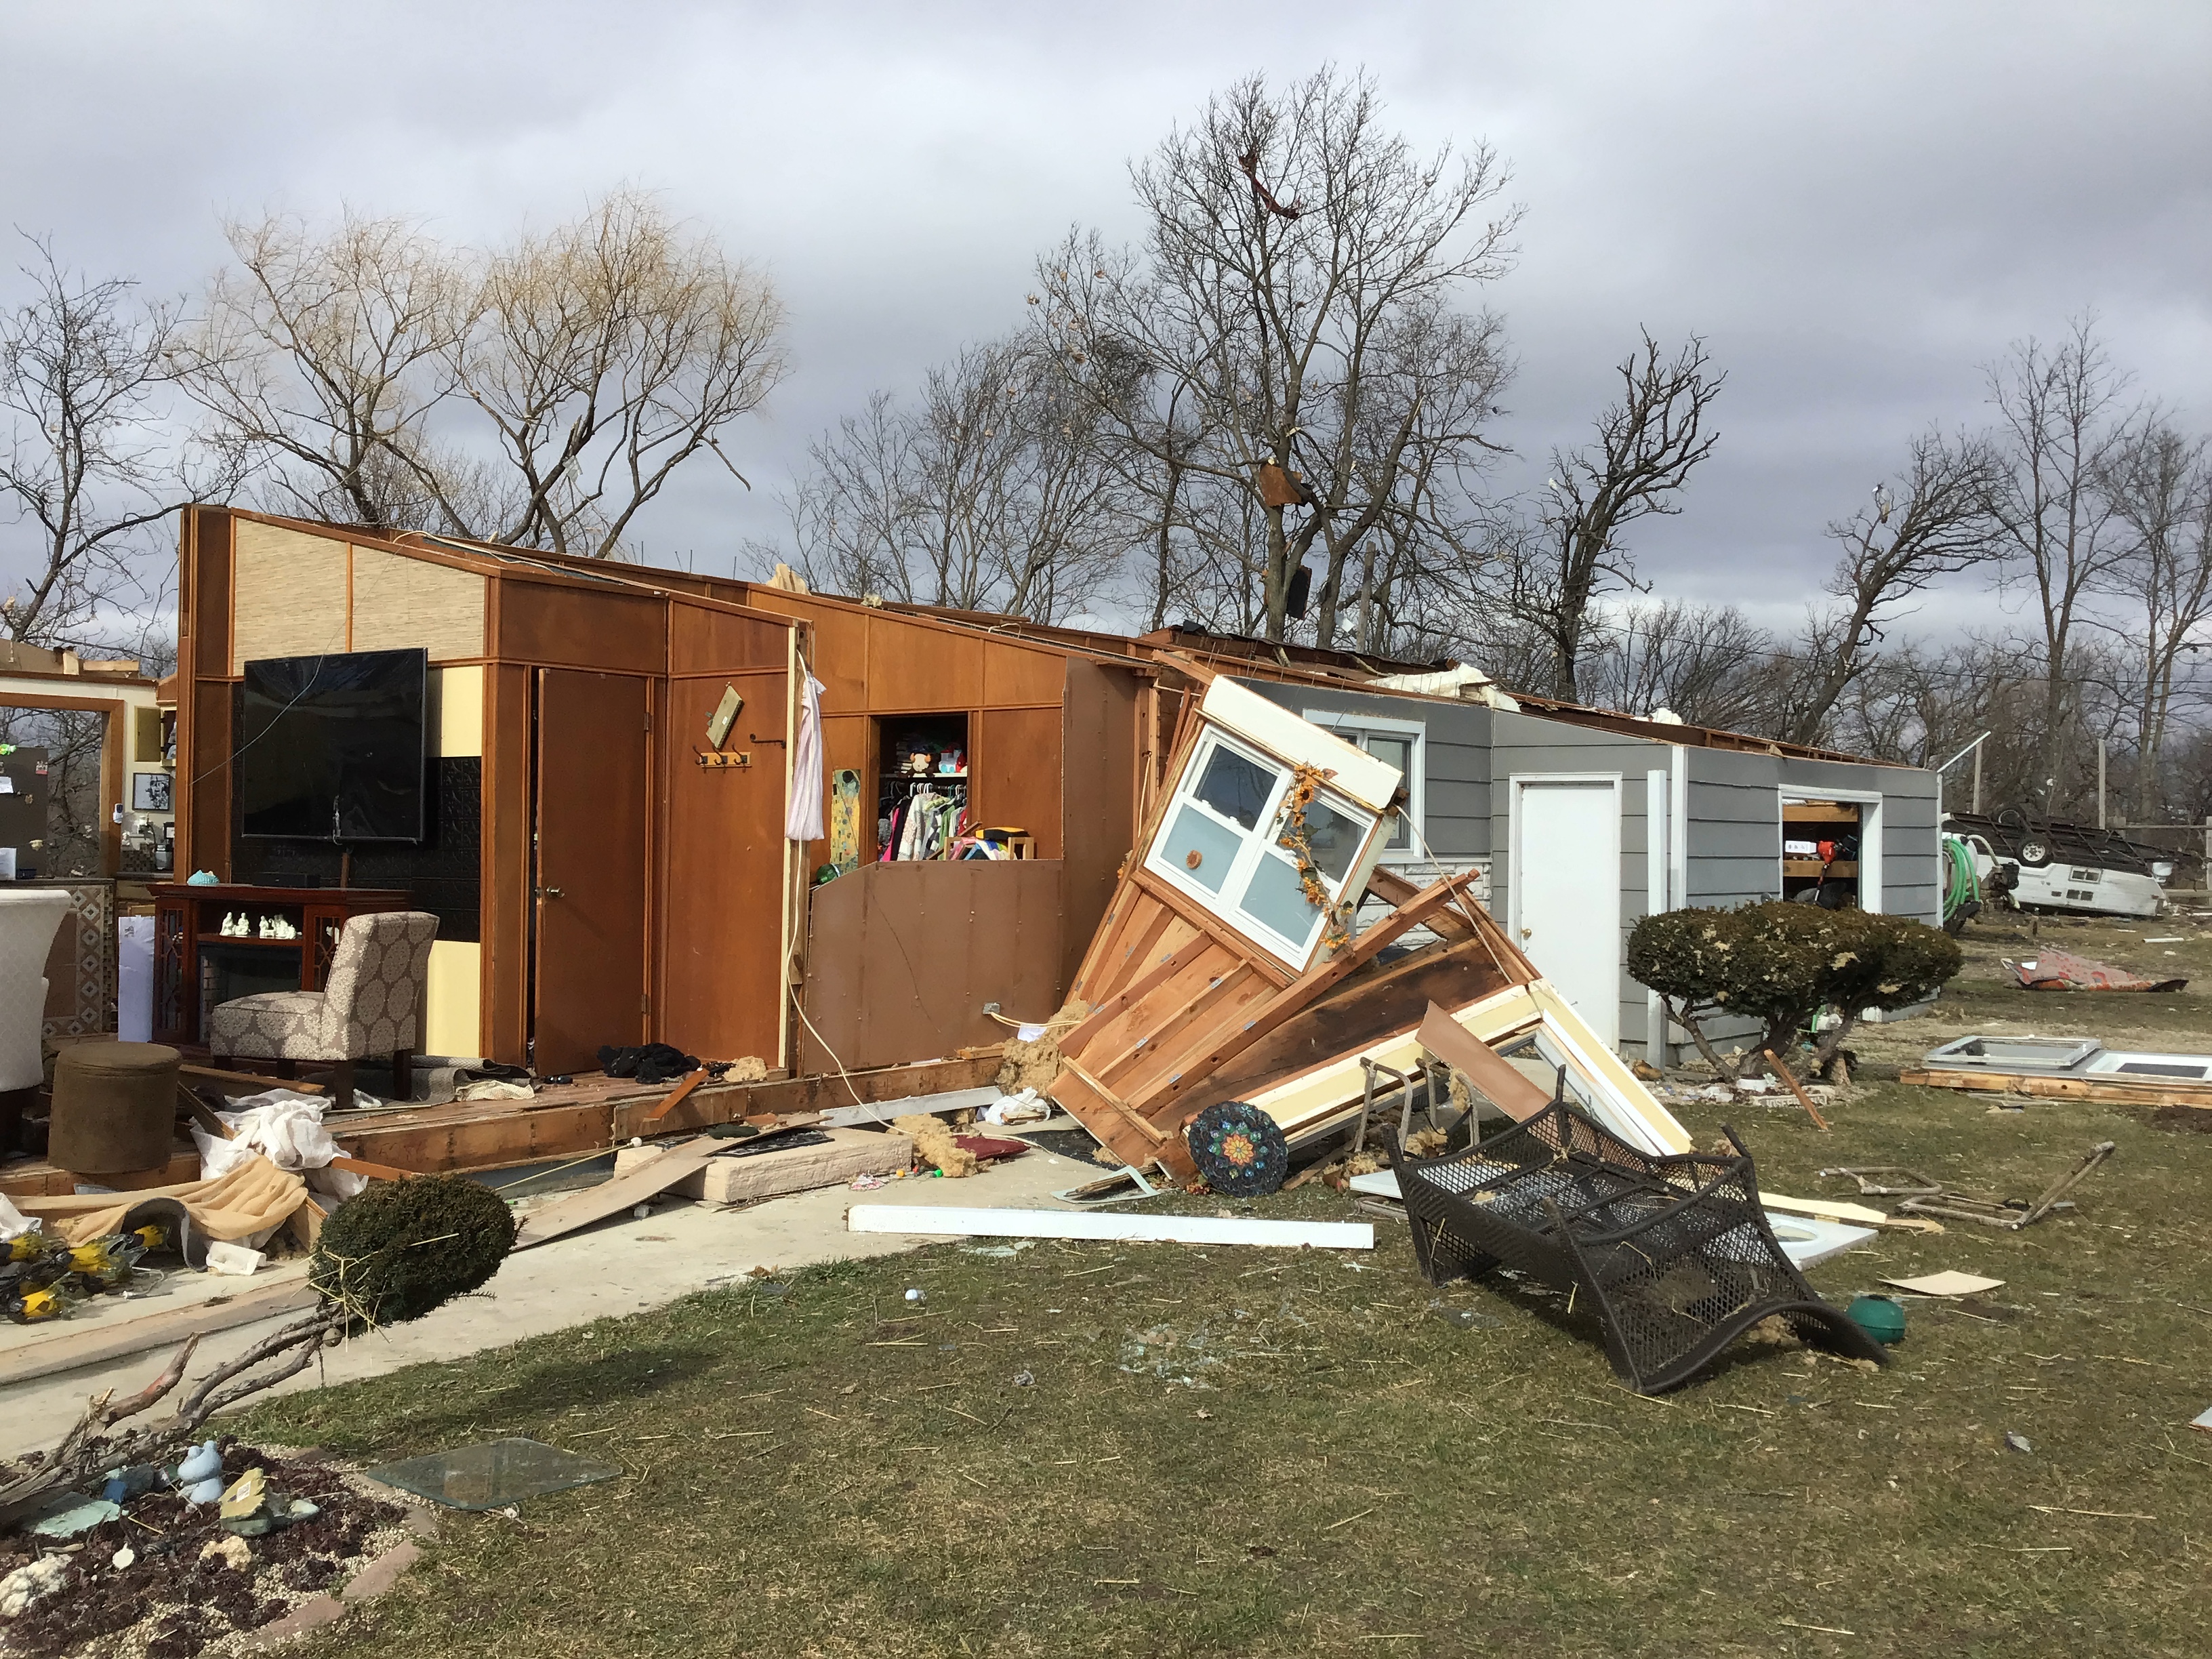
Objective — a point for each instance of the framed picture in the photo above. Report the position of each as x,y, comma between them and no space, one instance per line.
152,792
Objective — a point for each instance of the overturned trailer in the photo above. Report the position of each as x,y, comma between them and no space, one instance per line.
1227,969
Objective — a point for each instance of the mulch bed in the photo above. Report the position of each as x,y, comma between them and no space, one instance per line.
171,1604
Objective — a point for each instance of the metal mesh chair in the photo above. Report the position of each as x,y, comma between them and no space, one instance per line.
1674,1253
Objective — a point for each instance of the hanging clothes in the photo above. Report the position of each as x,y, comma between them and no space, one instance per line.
802,813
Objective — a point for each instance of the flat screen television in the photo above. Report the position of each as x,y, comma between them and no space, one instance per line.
330,748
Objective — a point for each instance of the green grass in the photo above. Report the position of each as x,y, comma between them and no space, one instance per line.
1345,1472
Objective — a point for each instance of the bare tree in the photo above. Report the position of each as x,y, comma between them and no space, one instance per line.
1707,664
2060,416
1648,444
1893,547
322,358
84,368
606,354
992,493
2159,483
1293,306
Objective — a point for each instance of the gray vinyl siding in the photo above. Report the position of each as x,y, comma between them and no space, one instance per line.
1732,835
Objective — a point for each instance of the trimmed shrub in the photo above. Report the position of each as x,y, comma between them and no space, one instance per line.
1780,964
404,1247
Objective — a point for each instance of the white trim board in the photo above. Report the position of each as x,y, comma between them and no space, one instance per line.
950,1221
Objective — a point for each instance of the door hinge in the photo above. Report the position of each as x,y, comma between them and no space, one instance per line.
645,1003
648,720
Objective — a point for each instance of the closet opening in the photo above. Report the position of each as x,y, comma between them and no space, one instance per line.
921,784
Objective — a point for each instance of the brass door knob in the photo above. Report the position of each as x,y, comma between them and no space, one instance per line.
549,893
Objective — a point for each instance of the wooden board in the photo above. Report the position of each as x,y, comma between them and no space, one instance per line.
728,1180
647,1179
69,1350
594,1116
2105,1089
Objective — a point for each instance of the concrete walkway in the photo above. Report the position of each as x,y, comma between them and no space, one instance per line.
622,1266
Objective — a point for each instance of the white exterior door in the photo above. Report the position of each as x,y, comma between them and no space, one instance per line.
1566,891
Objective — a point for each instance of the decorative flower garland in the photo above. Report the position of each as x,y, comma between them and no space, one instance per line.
1296,840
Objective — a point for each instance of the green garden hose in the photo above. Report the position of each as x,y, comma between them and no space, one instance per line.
1962,886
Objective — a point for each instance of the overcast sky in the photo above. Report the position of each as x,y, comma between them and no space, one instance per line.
1858,206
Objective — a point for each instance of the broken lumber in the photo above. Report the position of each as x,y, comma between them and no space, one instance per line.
2104,1088
648,1179
954,1221
731,1179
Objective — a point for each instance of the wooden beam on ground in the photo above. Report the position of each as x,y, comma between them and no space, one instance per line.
103,1343
1796,1087
950,1221
466,1135
2107,1088
245,1083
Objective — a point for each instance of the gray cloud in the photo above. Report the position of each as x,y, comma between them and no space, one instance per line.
1857,206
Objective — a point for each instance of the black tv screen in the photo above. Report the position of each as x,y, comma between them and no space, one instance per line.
330,748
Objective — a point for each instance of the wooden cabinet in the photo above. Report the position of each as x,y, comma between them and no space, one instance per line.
192,955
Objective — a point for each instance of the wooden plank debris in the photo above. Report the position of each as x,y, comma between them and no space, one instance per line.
955,1221
648,1179
2102,1088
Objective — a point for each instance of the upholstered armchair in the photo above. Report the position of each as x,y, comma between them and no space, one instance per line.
28,922
370,1005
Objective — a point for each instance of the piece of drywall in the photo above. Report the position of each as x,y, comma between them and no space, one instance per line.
457,710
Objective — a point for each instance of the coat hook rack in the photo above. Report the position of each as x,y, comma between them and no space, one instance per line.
740,760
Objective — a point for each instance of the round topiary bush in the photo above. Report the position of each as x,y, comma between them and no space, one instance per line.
404,1247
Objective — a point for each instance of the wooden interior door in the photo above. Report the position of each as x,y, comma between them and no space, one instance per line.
721,991
589,884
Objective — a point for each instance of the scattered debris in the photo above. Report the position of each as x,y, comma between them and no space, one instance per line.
2054,970
948,1221
1672,1254
2017,1442
1948,1283
935,1145
2014,1214
767,1166
493,1474
2067,1068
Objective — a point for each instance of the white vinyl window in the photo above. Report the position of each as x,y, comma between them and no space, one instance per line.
1396,743
1217,843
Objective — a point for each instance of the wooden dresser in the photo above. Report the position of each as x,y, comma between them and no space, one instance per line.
196,964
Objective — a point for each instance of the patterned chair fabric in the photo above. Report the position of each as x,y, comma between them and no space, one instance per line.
28,922
371,1005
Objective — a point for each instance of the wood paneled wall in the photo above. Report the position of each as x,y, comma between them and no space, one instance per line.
904,957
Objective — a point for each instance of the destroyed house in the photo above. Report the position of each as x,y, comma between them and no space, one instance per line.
1577,823
610,752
